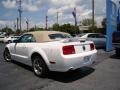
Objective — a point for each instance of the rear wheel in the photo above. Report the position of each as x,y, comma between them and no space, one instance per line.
118,52
7,55
39,66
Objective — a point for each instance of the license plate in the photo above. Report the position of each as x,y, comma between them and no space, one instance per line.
86,59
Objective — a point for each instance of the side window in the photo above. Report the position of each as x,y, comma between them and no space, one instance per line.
91,36
27,38
33,39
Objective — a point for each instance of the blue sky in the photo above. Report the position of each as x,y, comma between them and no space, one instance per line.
36,10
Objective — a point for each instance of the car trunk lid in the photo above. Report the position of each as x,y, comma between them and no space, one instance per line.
75,46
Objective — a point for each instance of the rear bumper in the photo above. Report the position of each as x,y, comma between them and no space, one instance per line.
72,62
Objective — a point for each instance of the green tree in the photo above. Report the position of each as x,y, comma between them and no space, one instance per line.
103,29
87,22
32,29
7,30
18,32
93,29
36,29
104,23
56,27
68,28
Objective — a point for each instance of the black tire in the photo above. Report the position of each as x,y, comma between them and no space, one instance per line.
39,66
6,55
117,52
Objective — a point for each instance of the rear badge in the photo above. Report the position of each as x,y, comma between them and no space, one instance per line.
84,48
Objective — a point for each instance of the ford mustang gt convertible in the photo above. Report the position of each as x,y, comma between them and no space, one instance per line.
51,51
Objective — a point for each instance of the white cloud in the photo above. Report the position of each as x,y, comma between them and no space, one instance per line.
87,13
64,2
99,20
8,23
64,7
30,7
9,3
52,11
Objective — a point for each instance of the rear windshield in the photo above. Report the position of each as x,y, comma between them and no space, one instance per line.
80,35
59,36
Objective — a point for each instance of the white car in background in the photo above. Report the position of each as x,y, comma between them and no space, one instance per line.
2,38
10,39
98,39
51,51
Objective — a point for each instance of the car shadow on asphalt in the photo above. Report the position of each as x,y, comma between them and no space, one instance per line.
115,57
64,77
71,76
101,48
27,67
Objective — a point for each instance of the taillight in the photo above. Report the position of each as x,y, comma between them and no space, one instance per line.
92,46
68,50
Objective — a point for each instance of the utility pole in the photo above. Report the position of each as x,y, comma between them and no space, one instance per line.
17,23
15,26
35,27
46,22
0,26
74,15
75,18
57,17
93,13
27,23
20,13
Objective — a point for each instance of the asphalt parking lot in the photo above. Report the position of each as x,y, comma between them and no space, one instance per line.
103,76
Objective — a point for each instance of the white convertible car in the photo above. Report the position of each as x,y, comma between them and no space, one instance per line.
51,50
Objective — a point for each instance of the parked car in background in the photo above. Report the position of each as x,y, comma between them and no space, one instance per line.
51,51
2,33
10,39
98,38
2,38
116,42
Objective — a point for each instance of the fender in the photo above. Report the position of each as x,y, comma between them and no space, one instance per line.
8,47
41,52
